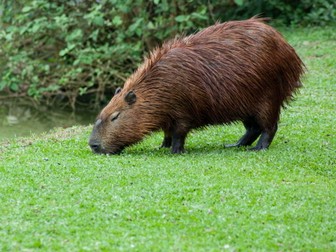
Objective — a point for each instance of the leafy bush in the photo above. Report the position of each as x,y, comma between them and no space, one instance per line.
76,48
303,12
72,48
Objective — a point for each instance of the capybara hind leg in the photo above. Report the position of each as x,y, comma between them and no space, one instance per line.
178,143
167,140
253,131
265,139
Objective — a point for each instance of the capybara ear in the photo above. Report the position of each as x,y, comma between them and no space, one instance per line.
130,98
117,91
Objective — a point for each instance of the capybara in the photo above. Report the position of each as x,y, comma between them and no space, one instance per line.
233,71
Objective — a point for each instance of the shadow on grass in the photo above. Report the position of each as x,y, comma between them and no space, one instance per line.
204,149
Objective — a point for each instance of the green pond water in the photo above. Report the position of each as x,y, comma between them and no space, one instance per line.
19,118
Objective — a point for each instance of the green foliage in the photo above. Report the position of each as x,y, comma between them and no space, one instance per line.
75,48
78,47
305,12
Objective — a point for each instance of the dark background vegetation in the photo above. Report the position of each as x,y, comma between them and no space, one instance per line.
80,50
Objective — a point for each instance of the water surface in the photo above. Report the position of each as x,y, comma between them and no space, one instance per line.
19,117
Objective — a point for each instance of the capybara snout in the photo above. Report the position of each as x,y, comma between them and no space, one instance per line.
94,141
234,71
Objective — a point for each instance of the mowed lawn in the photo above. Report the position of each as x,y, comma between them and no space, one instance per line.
56,195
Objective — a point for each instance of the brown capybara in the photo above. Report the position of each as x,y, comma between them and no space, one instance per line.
234,71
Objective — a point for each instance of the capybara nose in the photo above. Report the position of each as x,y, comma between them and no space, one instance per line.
95,147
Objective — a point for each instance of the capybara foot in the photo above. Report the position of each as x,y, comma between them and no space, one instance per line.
167,142
177,150
258,148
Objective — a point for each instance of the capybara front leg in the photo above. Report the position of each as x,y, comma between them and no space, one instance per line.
253,131
265,139
167,140
178,143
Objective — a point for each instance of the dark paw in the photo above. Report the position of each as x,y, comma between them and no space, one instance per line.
167,143
258,148
177,150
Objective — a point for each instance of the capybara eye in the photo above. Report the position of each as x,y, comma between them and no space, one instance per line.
115,115
130,98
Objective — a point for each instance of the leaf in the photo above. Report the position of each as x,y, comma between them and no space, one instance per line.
26,9
138,32
67,50
94,35
199,16
133,27
82,90
63,52
77,34
36,27
14,87
99,21
181,18
150,25
239,2
117,21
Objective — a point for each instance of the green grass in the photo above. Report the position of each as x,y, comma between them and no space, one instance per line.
56,195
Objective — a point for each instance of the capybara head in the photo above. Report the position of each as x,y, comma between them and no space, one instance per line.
117,125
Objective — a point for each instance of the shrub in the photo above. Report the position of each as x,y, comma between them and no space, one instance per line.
303,12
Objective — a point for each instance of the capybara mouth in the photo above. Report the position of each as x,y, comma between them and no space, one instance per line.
116,152
98,148
102,151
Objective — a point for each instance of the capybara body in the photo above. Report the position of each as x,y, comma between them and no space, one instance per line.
234,71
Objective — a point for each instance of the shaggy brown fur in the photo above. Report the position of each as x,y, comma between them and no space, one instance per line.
234,71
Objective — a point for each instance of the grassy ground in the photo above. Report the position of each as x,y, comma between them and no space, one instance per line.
56,195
